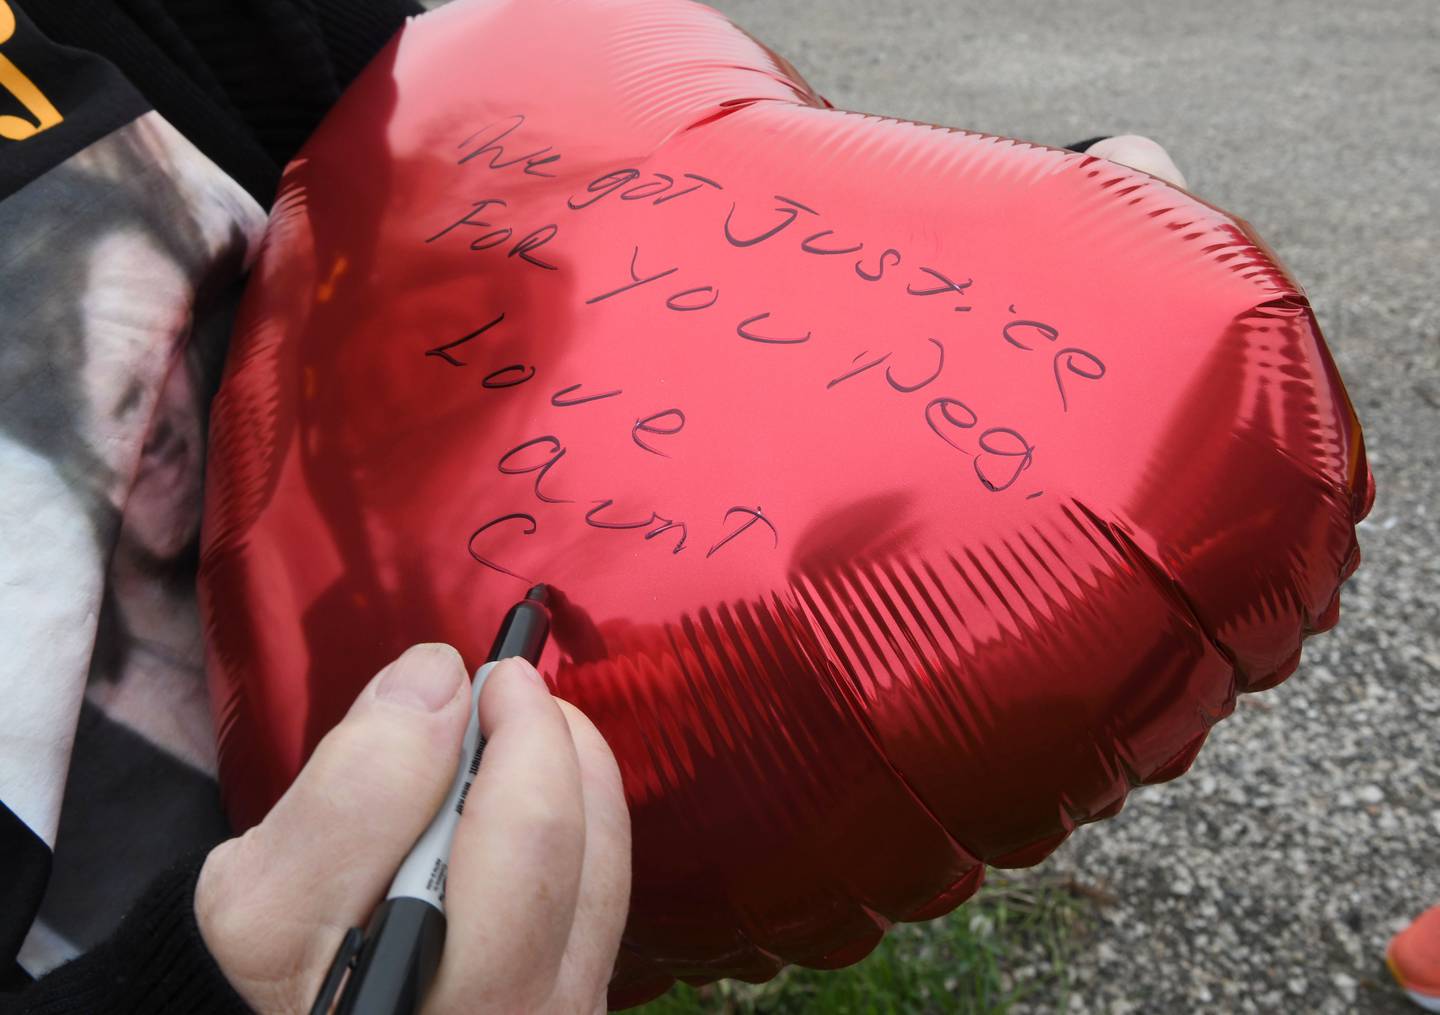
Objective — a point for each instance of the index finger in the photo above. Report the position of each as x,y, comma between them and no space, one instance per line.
515,863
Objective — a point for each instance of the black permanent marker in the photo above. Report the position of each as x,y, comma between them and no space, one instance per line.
393,962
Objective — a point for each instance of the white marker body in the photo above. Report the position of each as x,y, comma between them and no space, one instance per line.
422,875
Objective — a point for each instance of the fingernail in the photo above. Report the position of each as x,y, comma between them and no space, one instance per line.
425,678
524,666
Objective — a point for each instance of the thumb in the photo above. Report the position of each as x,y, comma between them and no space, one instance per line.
273,903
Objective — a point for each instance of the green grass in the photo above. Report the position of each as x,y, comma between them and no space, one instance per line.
1011,941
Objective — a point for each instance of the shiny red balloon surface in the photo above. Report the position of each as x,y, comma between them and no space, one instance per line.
912,493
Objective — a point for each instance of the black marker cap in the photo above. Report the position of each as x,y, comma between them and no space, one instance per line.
398,960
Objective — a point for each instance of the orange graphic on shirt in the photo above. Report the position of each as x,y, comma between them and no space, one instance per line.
13,80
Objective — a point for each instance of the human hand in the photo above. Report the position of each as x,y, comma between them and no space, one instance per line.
1140,153
539,878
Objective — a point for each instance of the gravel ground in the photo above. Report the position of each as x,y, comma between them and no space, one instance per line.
1269,878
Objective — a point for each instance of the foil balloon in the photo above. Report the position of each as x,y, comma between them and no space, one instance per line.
911,494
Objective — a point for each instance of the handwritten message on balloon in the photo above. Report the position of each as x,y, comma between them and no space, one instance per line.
671,285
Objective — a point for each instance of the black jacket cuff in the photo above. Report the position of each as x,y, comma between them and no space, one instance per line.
156,963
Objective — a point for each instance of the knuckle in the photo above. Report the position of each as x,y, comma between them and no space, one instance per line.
590,744
549,822
374,758
223,880
1141,143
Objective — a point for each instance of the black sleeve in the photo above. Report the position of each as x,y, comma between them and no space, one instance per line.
245,82
155,964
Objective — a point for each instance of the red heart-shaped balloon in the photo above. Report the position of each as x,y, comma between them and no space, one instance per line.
911,494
